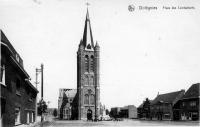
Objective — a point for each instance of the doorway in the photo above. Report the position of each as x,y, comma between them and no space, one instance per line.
89,114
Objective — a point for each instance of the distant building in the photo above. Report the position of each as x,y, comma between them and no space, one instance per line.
67,104
129,111
50,111
114,112
161,108
144,109
187,108
18,95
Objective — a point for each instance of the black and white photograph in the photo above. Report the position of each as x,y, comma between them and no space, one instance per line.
99,63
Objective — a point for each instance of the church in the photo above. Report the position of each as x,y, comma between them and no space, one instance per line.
83,103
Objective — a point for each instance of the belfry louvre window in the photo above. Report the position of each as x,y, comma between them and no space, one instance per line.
86,63
92,63
2,79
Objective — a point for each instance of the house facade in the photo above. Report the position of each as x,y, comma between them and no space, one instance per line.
161,108
187,108
18,95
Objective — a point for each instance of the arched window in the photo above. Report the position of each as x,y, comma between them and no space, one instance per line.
86,100
92,63
86,63
92,99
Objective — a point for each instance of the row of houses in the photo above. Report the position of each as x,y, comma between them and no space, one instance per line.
178,105
18,95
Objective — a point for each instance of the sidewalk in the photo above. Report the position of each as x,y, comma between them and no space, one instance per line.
36,123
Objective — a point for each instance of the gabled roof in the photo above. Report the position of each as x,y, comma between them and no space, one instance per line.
192,92
70,93
168,97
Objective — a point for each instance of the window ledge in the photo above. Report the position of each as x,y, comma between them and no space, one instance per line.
30,100
18,124
18,93
3,84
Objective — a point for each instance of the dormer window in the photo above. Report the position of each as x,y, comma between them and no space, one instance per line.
88,46
2,78
17,57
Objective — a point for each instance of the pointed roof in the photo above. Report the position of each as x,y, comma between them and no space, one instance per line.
87,35
192,92
168,97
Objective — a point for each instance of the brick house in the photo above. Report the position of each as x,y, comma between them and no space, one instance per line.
18,95
187,108
161,108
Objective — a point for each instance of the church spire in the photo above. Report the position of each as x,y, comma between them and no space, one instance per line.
87,35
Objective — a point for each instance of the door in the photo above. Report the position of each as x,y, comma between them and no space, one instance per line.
27,118
89,114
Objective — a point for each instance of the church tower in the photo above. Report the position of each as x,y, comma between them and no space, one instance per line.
88,89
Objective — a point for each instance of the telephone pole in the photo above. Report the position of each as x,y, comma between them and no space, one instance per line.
36,83
41,70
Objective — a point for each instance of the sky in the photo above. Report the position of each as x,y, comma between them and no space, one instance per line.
142,52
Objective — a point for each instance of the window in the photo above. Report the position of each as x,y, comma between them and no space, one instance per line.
2,79
17,116
18,85
17,57
92,99
92,63
183,104
86,63
32,117
27,117
86,100
3,106
193,103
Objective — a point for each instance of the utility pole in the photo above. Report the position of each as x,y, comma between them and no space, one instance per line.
41,70
36,82
42,66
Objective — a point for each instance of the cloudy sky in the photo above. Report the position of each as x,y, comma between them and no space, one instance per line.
143,52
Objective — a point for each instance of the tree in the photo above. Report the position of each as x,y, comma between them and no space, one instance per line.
55,113
42,107
107,112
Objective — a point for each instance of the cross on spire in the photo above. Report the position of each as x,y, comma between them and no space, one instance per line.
87,4
87,35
